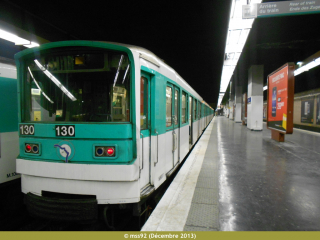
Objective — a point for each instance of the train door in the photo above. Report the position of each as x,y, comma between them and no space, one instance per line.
145,128
173,123
195,122
176,126
200,120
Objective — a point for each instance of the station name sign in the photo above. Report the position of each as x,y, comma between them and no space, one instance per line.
274,9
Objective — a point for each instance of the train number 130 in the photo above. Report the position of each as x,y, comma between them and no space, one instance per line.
65,131
27,129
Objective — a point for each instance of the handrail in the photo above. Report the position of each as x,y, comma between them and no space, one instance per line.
155,131
142,151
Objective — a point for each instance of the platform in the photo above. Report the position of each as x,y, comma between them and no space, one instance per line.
241,180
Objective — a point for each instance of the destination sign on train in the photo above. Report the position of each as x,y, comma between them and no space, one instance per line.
274,9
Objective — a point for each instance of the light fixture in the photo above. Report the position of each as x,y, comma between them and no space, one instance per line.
238,32
234,36
17,40
307,67
55,80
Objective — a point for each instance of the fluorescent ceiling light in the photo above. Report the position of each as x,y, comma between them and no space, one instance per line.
17,40
244,36
55,80
238,32
234,36
230,56
307,67
237,56
13,38
234,48
255,1
265,88
31,45
240,23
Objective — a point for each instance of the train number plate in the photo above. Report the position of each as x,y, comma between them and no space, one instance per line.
26,129
65,131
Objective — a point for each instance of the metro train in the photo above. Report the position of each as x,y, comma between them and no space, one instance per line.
101,124
9,139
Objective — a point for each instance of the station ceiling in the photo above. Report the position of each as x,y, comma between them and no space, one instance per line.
189,36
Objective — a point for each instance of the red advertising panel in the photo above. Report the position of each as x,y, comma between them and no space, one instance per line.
280,99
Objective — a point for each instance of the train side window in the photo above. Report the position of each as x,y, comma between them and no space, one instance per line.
184,108
176,106
190,109
144,103
195,109
168,106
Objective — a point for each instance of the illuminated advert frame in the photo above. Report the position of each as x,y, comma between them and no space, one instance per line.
280,99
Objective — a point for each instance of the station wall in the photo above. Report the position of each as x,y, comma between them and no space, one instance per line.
306,111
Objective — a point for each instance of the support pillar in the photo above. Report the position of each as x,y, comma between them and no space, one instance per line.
255,98
238,108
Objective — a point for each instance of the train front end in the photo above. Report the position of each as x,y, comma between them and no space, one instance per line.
76,128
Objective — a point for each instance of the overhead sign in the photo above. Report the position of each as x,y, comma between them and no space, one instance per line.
280,99
274,9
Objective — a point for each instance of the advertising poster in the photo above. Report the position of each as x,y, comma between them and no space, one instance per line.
280,99
307,110
318,110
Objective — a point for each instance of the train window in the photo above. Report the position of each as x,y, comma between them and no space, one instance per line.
176,107
77,85
184,108
195,109
168,106
144,103
190,110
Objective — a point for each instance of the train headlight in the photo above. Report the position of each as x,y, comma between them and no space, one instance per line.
99,151
35,148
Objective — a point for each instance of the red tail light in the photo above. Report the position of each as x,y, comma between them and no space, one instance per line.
110,151
28,148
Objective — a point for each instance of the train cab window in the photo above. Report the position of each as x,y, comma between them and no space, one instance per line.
168,106
76,85
184,108
144,103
